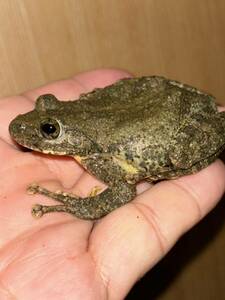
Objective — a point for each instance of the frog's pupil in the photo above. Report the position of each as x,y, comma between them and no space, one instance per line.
48,128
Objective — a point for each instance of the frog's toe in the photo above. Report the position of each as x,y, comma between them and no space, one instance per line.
33,189
37,211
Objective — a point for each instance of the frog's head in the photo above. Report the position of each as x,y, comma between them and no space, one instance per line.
52,128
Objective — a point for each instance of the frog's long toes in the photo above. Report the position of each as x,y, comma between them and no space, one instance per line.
37,211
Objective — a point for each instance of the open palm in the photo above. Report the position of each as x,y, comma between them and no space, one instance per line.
61,257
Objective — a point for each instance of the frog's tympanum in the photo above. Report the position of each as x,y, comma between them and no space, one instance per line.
147,128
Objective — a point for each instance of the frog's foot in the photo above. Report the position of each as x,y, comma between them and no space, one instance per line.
67,199
89,208
33,189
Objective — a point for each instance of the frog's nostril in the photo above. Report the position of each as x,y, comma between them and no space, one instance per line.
22,126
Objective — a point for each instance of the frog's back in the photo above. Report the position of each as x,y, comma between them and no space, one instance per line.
130,93
141,107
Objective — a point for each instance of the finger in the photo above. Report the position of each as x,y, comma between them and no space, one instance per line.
80,83
221,108
132,239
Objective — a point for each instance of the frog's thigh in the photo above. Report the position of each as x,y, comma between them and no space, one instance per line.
186,149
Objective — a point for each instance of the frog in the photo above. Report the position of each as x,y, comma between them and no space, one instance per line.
142,128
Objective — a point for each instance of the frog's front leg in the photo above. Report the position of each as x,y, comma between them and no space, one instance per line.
88,208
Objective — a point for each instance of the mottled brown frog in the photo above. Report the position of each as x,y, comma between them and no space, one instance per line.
147,128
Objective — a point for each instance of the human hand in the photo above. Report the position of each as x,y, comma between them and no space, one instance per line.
62,257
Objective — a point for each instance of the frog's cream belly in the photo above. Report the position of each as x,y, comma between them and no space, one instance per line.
127,167
128,172
123,164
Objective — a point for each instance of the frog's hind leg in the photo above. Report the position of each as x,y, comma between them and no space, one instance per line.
89,208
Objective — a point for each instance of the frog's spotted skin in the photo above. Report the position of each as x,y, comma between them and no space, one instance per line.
139,128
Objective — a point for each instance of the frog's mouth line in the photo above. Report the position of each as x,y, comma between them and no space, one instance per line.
30,147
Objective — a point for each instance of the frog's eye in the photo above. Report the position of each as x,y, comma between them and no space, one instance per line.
50,129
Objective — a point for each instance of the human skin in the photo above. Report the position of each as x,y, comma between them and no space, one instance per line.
61,257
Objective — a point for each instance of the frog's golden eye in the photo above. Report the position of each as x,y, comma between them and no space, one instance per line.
50,129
